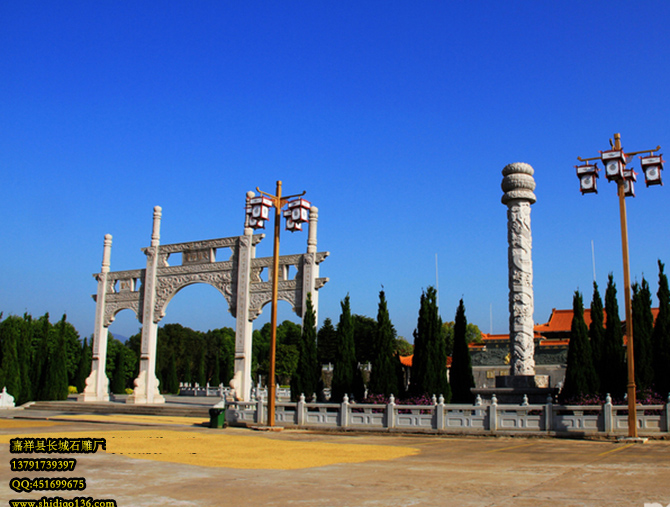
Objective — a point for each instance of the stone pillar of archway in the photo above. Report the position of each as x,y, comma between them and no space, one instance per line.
310,267
97,383
243,323
146,383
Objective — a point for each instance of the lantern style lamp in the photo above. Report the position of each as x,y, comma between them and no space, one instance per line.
260,207
297,214
615,162
258,211
652,166
587,174
299,210
629,177
291,225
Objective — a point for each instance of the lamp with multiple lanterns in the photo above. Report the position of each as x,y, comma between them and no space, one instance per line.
296,214
258,211
615,161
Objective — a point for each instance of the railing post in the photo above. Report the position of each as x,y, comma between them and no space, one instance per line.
390,413
493,414
548,414
667,415
260,412
301,411
344,412
440,413
608,414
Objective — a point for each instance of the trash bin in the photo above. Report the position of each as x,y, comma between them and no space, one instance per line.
217,418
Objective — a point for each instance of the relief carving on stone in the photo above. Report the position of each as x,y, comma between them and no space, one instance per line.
168,285
114,307
518,185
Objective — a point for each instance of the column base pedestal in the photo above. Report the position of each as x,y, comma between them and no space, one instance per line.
511,389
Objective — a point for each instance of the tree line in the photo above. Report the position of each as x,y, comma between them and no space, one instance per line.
40,360
597,358
428,374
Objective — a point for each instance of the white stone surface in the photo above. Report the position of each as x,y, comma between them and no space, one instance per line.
238,279
518,185
6,399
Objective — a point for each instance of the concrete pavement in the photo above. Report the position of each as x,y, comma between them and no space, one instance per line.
237,466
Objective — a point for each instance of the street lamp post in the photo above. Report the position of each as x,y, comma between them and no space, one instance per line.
258,211
615,161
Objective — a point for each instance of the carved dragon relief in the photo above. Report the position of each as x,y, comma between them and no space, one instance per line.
521,305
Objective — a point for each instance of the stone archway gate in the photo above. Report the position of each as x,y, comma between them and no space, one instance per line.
148,291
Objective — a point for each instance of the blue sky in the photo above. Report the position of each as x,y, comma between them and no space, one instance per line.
396,118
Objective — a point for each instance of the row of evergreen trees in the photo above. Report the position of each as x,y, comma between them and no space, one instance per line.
39,360
596,355
429,364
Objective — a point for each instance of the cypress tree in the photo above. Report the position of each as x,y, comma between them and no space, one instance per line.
84,368
199,372
42,332
171,380
580,375
661,336
597,332
643,328
10,367
345,362
461,377
306,377
326,347
613,379
55,386
429,365
383,378
118,384
365,330
25,348
216,374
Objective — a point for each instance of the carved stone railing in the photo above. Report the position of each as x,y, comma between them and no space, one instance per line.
548,418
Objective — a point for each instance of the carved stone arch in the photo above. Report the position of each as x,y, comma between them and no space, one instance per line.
168,286
112,309
148,291
258,301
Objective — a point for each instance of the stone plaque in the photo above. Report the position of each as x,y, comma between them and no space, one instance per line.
203,256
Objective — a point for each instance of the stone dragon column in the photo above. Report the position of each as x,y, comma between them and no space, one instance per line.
518,185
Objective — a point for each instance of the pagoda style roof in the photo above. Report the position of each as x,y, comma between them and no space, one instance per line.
560,321
407,361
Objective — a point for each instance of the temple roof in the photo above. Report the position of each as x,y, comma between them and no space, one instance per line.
560,321
407,361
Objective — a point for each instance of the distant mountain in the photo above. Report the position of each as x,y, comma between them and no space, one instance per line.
121,338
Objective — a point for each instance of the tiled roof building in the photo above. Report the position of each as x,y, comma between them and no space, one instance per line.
490,357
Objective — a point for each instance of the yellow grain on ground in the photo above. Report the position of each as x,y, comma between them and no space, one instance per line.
22,423
148,419
234,451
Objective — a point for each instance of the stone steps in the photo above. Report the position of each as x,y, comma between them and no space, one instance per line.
76,407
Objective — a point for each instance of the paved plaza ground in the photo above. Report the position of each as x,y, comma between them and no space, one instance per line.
178,461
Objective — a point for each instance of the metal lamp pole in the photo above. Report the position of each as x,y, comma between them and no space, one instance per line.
621,188
278,203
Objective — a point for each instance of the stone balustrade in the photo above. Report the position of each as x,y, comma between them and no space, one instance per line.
548,418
